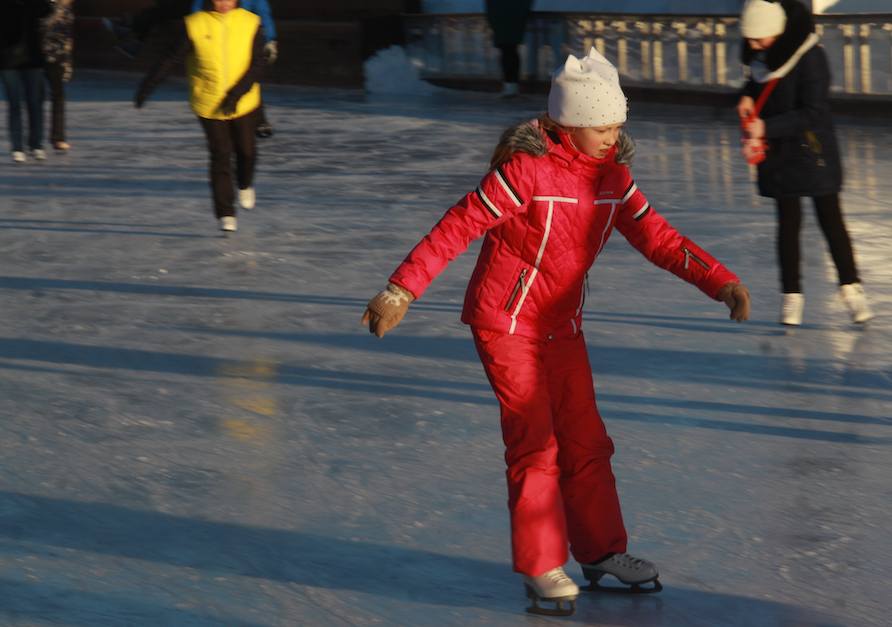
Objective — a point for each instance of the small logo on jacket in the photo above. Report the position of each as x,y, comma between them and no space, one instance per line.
605,193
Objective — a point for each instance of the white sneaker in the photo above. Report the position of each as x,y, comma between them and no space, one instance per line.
247,198
631,571
18,156
852,294
39,154
791,311
228,223
553,586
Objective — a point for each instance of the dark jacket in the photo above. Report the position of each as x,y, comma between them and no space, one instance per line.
508,19
803,156
20,44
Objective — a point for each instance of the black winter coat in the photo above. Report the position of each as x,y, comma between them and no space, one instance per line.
803,156
20,43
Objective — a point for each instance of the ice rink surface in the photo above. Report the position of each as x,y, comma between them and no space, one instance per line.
196,431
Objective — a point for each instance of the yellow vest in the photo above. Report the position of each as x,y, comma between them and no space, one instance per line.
223,46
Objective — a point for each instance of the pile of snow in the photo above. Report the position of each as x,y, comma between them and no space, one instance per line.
391,72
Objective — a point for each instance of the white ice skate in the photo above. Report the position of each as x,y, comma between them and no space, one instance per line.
18,156
791,310
247,198
631,571
228,224
554,587
852,294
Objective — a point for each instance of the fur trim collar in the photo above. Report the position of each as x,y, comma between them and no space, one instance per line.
800,26
531,139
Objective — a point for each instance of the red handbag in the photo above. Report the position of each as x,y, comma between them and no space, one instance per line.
754,149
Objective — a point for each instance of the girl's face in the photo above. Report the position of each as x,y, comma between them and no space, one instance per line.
762,44
225,6
596,141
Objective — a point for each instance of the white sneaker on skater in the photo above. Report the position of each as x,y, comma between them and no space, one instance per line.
39,154
852,294
247,198
791,310
228,223
553,586
630,570
18,156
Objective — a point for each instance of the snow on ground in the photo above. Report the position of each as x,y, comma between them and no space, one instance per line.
196,431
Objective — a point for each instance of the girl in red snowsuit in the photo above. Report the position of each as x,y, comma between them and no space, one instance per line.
557,188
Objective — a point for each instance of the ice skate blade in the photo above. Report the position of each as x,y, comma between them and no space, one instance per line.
558,610
635,588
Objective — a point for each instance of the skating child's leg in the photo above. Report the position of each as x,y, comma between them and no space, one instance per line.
789,219
515,368
594,520
220,148
245,148
830,219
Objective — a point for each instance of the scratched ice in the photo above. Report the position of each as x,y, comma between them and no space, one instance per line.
197,432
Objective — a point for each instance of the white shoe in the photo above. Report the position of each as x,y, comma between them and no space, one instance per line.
631,571
553,586
247,198
18,156
791,311
852,294
39,154
228,223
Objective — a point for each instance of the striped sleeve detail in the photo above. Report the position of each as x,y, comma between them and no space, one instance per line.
503,181
631,192
488,203
642,212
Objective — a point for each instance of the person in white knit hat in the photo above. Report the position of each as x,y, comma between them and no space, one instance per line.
557,187
789,73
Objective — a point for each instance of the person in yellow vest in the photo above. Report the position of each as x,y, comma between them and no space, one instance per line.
223,49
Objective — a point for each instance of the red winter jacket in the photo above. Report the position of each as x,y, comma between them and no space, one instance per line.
547,214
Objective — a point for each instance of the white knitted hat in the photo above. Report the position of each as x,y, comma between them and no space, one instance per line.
586,92
762,18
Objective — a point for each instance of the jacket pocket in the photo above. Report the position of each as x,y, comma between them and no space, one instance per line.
689,255
519,287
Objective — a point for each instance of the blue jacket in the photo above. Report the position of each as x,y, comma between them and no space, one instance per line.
260,7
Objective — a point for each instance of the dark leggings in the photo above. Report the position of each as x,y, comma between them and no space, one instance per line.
55,75
510,63
789,220
224,138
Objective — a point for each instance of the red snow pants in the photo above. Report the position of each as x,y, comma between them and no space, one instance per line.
560,486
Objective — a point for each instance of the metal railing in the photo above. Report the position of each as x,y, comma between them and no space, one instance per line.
700,51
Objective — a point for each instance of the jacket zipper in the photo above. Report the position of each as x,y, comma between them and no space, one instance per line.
520,286
688,255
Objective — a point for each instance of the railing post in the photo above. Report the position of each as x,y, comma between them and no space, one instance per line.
646,71
681,30
866,84
721,55
622,51
658,52
848,31
706,31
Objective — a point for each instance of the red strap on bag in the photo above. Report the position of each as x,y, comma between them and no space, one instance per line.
754,149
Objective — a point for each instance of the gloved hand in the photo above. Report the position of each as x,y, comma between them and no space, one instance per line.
66,72
737,297
387,309
229,104
140,99
271,52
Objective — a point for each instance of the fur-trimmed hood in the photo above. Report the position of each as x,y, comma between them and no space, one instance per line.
530,138
800,25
